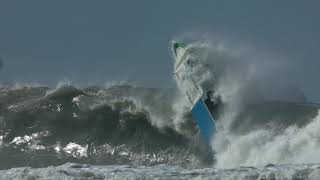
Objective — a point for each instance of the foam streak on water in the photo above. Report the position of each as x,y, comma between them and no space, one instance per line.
165,172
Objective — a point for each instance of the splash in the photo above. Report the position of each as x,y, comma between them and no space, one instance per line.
253,129
293,145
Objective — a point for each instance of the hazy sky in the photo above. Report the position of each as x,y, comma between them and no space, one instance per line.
99,41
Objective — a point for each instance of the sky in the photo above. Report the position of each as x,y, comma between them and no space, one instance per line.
99,41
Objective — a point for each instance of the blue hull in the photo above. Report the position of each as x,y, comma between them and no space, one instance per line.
204,120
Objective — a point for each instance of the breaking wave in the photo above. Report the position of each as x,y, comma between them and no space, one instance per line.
120,124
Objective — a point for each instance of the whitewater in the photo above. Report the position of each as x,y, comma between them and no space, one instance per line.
123,131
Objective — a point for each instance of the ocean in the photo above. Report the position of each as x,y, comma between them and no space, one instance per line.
125,131
132,132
